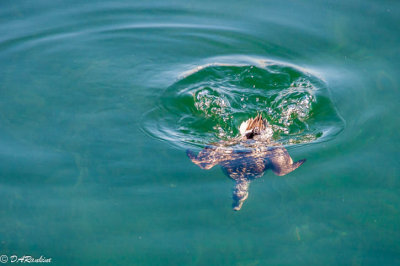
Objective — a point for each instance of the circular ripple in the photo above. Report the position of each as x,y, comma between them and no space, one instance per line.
209,102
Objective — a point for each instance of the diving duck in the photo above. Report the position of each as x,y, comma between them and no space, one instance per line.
255,155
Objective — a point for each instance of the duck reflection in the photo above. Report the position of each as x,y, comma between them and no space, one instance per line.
246,158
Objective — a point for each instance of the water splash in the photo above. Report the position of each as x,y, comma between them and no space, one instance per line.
209,102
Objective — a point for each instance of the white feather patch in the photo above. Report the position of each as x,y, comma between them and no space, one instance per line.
243,127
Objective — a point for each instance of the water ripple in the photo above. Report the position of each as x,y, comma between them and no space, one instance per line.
209,102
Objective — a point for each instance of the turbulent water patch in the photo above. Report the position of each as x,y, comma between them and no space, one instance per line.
208,103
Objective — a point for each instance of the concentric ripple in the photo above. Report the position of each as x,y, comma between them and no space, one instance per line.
209,102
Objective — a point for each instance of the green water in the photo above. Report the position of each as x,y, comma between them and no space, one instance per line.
99,101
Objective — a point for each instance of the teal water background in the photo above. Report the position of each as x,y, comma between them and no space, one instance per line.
82,182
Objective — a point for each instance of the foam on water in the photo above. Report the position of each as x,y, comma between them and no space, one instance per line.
208,103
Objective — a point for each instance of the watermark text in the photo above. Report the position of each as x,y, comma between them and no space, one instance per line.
24,259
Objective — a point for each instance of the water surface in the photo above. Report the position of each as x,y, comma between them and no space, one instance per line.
100,100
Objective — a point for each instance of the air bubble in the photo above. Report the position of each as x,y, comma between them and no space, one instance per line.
209,105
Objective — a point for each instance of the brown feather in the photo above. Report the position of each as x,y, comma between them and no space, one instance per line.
258,121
